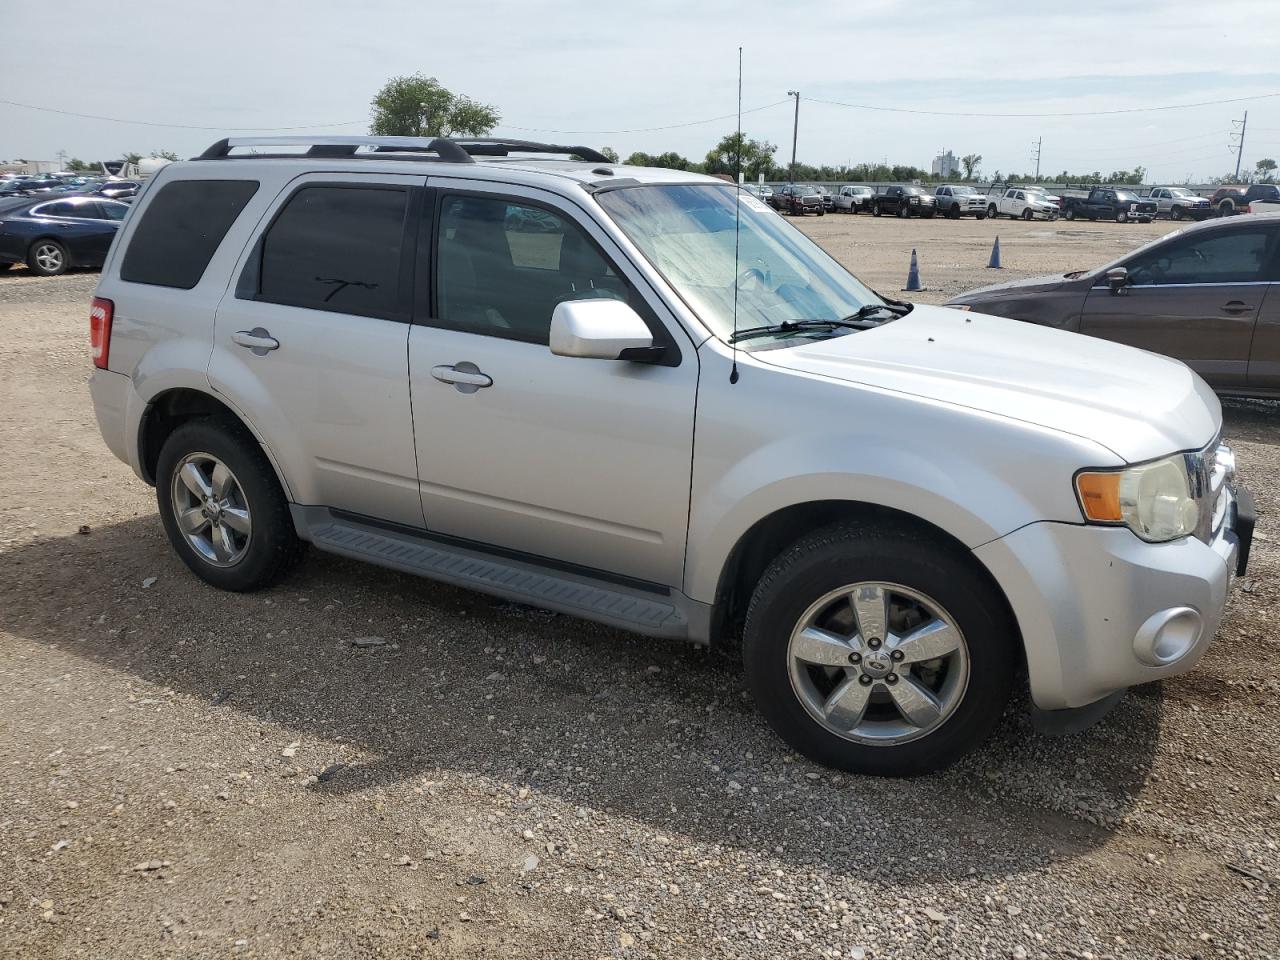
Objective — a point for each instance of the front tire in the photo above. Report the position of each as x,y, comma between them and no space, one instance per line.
1176,213
222,506
1028,214
48,258
879,652
992,212
875,211
953,212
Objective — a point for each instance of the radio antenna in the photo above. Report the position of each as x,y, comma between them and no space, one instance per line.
737,220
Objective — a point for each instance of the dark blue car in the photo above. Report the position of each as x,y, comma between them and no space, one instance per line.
51,233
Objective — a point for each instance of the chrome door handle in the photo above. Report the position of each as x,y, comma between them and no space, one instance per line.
258,340
466,376
1236,306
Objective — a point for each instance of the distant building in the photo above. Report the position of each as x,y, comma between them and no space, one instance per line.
30,168
945,164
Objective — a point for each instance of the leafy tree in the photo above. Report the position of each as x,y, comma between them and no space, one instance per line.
970,163
610,153
130,157
669,160
756,156
1266,170
75,165
419,106
164,155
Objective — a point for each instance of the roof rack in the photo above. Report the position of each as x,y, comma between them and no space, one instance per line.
324,146
498,147
447,150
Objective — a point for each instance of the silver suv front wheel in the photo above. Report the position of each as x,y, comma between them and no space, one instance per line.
880,650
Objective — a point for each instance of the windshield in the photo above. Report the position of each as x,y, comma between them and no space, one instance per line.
803,191
687,232
915,191
960,191
1182,192
1126,195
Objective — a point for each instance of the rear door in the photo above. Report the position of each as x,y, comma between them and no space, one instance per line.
1195,297
313,341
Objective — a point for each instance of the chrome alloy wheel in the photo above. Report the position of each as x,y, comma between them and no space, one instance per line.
878,663
211,510
49,256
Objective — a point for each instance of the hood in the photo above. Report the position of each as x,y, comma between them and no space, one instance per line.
1010,288
1137,404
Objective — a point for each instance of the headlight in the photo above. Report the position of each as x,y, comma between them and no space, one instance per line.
1153,500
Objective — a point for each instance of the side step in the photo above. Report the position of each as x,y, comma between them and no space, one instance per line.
651,613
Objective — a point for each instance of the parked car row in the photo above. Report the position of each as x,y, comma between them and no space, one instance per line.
116,189
52,232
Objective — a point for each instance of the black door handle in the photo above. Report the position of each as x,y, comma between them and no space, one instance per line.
1236,306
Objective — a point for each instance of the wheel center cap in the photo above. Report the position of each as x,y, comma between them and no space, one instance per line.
877,664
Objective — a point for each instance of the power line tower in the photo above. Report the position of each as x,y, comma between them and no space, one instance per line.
1238,146
1036,156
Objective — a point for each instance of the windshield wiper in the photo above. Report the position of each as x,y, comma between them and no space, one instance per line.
856,321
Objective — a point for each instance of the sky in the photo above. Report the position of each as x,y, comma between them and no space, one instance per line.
584,73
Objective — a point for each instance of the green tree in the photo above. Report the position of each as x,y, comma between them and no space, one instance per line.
130,157
669,160
1266,170
75,164
164,155
419,106
970,163
756,157
610,153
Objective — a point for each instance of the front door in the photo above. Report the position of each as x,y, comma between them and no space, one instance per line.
313,342
581,461
1195,298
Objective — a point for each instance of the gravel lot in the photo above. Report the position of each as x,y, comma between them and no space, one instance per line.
191,773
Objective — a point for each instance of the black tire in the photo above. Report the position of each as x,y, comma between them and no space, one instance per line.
1226,208
274,547
1028,214
904,211
5,266
48,258
1176,213
875,210
993,212
822,213
980,215
1069,213
852,553
953,212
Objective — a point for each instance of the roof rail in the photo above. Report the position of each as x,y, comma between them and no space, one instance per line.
326,146
499,147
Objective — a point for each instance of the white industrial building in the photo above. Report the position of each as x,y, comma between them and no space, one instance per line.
945,164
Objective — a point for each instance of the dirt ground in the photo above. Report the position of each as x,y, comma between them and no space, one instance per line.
191,773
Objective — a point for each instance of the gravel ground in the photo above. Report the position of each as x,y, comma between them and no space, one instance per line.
185,772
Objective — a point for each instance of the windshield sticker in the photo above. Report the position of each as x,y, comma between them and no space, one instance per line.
754,203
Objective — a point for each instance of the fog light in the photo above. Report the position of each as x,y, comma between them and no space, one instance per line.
1168,636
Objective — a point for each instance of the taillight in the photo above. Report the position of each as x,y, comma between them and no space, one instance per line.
100,316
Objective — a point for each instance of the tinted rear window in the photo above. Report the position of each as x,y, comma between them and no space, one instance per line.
337,248
180,230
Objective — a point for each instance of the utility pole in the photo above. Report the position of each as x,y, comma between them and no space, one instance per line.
1036,157
795,132
1242,124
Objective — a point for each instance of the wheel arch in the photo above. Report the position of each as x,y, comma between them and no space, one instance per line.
772,534
173,407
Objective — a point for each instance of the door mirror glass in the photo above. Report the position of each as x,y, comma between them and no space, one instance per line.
1117,279
601,330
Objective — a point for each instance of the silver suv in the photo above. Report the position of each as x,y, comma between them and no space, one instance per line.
641,397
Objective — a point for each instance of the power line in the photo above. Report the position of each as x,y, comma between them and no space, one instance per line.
176,126
672,126
1079,113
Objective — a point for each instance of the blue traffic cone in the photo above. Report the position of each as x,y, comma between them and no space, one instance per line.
913,276
995,256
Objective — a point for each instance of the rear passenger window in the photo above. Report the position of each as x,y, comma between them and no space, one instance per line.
337,248
180,230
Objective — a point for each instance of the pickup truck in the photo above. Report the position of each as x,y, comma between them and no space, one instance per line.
1179,203
1236,199
955,202
853,198
1023,203
1109,203
904,201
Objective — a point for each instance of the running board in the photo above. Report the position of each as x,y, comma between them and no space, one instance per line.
652,613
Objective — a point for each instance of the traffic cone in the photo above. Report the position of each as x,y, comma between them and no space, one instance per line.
913,276
995,255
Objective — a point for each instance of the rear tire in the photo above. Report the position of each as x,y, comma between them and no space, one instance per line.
953,212
253,543
1226,208
48,258
950,703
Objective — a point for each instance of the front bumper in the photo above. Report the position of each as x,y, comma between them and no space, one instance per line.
1101,610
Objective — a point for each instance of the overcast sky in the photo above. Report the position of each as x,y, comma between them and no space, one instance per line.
594,67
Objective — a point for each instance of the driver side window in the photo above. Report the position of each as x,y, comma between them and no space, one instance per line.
1240,256
502,266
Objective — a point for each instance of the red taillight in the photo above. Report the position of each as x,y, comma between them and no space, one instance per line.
100,330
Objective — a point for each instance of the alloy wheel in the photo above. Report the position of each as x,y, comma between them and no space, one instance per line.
49,256
211,509
878,663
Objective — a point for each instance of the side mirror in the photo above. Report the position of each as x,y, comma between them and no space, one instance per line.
601,330
1117,279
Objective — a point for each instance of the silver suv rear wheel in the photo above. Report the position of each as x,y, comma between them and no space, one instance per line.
211,509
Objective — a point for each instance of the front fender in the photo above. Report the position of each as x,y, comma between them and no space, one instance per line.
974,475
